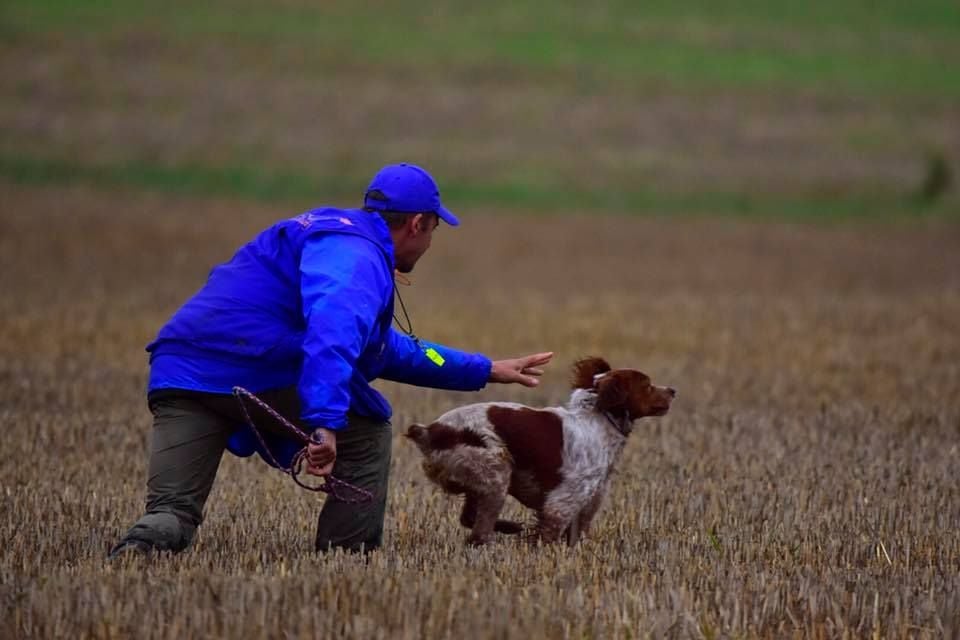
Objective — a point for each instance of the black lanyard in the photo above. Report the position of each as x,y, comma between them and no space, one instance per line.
409,328
432,354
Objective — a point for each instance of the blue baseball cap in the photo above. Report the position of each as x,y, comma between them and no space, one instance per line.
406,188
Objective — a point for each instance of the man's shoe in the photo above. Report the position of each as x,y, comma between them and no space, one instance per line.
130,549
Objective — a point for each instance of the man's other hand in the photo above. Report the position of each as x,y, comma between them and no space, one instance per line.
525,370
321,455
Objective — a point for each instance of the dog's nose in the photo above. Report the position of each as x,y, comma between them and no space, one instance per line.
672,392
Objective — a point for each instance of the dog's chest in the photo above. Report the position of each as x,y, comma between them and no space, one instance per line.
589,449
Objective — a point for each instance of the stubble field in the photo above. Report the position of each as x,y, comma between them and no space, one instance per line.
804,484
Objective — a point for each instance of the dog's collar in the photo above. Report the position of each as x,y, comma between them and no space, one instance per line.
623,427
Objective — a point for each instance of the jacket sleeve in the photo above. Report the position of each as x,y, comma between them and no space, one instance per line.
408,362
342,281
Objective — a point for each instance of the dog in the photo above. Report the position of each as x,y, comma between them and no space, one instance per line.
556,461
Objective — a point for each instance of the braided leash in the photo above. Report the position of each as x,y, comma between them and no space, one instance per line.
337,489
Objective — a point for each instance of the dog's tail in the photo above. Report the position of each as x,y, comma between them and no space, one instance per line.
420,436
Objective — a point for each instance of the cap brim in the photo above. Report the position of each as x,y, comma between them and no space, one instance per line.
447,216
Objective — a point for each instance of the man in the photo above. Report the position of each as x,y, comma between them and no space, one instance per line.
302,316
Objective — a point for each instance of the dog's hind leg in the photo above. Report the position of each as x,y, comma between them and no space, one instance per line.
468,518
487,508
488,497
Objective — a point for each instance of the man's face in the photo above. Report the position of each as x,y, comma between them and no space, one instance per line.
415,241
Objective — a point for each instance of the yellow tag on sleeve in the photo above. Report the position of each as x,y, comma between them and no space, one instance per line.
434,356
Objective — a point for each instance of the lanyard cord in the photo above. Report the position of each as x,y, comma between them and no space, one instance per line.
431,353
409,328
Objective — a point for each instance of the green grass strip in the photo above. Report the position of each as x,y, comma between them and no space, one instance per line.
848,46
307,190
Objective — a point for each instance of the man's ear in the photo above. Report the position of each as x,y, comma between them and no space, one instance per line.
414,224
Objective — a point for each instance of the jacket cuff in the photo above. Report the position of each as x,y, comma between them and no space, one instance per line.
483,368
313,423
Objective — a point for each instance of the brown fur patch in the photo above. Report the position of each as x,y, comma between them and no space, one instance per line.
534,440
585,369
443,436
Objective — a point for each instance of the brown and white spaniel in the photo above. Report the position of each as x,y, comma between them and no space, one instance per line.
556,461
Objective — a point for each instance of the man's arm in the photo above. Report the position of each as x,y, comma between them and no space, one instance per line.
342,284
428,364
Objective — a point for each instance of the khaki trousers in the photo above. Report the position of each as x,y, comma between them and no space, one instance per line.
190,432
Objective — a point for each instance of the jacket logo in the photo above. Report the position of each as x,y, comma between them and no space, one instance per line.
305,219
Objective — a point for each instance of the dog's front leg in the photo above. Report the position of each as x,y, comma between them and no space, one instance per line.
585,518
555,519
550,528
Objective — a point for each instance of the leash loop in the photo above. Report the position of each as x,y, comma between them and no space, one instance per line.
337,489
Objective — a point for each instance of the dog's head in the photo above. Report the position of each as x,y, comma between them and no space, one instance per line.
625,394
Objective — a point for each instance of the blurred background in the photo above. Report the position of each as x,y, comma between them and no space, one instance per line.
822,109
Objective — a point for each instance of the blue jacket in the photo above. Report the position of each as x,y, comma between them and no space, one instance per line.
309,301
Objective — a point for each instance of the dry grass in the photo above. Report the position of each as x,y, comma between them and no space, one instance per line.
805,484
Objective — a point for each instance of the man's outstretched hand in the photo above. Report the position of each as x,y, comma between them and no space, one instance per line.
321,455
525,370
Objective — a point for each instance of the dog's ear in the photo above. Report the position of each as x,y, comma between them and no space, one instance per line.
611,393
586,370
